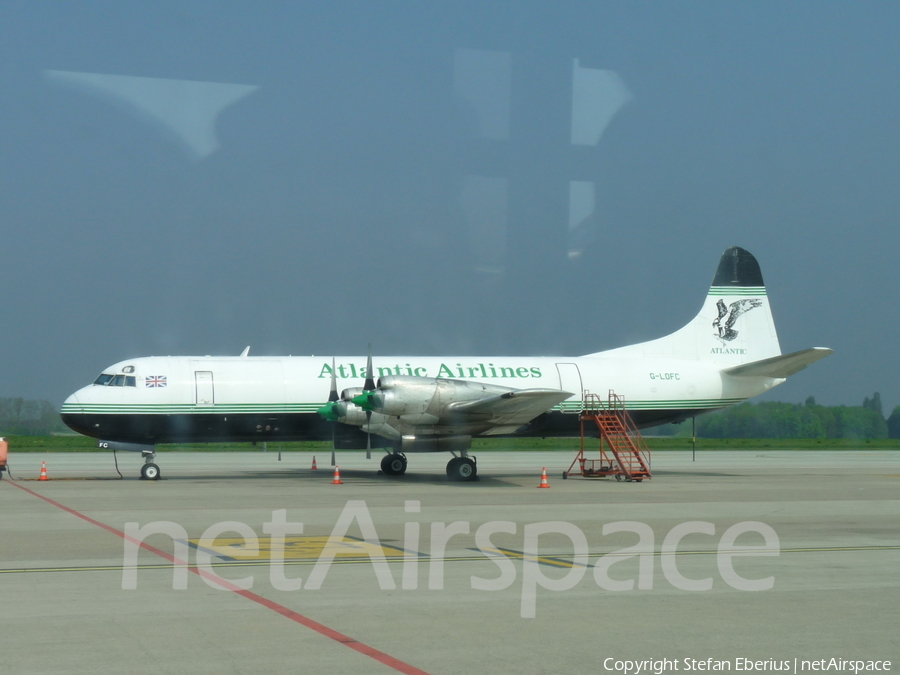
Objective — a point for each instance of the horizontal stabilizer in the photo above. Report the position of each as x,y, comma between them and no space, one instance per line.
780,366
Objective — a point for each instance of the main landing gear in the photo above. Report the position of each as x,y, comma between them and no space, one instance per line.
462,468
393,464
459,468
149,471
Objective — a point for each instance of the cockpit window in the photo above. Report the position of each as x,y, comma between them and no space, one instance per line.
107,380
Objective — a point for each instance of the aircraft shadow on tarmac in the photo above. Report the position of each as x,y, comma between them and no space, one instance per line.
348,476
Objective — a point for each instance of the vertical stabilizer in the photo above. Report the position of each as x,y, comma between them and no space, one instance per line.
734,326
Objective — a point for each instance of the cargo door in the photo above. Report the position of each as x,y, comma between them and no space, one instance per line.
570,380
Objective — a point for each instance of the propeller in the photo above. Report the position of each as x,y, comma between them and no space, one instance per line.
336,408
330,410
368,400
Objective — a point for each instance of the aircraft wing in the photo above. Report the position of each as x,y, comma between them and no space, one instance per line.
512,408
780,366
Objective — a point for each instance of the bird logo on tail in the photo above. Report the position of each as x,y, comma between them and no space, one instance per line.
729,314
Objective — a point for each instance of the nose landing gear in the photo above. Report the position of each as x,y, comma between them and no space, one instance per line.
149,471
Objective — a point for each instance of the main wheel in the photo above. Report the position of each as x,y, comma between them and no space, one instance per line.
451,466
462,469
150,472
393,464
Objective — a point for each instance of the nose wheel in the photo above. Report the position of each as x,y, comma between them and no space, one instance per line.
150,472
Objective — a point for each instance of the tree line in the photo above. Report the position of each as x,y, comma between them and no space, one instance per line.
772,419
23,417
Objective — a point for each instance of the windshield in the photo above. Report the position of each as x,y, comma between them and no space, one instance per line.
107,380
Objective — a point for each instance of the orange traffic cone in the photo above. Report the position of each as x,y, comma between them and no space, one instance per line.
43,471
314,467
337,476
544,483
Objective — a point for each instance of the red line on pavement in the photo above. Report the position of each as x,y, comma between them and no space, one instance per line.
337,636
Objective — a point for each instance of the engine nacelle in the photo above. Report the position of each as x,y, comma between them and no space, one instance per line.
351,392
400,396
408,397
423,419
351,414
381,426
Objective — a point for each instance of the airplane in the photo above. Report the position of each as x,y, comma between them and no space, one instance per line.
728,353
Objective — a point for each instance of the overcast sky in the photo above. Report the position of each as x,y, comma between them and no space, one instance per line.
442,178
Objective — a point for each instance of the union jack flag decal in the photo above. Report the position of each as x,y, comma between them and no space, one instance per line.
155,381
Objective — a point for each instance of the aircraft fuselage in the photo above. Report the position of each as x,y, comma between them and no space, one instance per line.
210,399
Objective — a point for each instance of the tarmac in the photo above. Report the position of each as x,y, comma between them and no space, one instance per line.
433,576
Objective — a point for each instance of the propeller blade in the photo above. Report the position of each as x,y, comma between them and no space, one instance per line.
370,381
333,395
368,435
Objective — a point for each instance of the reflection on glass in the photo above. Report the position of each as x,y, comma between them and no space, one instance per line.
185,107
485,205
597,96
581,206
483,80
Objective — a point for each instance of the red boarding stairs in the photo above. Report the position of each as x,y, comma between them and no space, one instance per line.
623,452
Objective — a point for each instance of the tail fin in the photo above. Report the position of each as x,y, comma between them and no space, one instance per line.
734,326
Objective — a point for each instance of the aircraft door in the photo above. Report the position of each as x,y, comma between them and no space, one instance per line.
570,380
203,381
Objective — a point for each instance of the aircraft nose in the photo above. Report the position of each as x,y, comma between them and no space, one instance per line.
72,414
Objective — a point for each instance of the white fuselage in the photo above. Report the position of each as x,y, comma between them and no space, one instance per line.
185,399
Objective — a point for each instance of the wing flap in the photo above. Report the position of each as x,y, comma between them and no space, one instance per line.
780,366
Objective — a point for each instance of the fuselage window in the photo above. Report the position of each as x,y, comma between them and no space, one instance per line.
103,379
130,381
